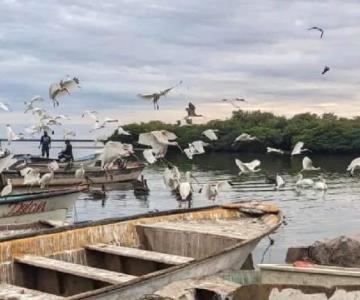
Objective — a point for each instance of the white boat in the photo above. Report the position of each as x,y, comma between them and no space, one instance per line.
33,207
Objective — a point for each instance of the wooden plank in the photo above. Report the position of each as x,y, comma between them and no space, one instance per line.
74,269
164,258
9,291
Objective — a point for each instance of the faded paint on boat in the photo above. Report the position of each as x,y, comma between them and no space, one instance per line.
33,207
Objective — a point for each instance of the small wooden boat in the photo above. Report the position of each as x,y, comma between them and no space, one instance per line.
126,258
36,206
96,175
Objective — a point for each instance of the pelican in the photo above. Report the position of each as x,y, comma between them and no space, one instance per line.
321,184
280,182
171,177
211,134
244,137
155,97
308,165
7,190
4,106
355,164
304,182
11,135
211,190
185,189
248,168
274,150
298,148
114,150
80,173
319,29
48,177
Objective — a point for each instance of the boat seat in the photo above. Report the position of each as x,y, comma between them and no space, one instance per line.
74,269
168,259
9,291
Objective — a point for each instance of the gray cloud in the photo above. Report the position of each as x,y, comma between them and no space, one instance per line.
257,49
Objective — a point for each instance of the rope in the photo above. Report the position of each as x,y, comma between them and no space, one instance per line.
271,242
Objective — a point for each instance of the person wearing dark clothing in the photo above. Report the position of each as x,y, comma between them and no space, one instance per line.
67,154
45,143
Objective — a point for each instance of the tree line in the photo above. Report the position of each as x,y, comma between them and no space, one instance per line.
325,133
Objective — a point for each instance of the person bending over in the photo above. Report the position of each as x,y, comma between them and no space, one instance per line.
67,154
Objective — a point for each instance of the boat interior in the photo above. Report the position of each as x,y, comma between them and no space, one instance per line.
76,259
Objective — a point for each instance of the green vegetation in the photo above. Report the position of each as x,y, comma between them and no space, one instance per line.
322,134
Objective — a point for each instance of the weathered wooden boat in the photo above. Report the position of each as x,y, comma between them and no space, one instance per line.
129,257
36,206
312,274
96,175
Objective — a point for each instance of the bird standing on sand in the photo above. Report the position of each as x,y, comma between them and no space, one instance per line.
319,29
155,97
326,69
7,189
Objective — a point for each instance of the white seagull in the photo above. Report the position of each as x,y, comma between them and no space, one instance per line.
11,135
321,184
298,148
308,165
304,182
248,168
211,134
211,190
274,150
7,190
280,182
244,137
4,106
355,164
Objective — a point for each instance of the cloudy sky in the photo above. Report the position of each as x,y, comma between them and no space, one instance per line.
256,49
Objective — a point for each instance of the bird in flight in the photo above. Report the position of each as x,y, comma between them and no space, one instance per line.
319,29
326,69
191,111
155,97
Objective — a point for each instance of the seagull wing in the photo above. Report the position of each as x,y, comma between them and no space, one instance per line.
253,164
297,148
210,134
146,97
149,156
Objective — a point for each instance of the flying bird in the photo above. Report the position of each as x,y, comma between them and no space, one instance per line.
304,182
355,164
244,137
248,168
280,182
210,134
321,184
211,190
11,135
326,69
155,97
234,102
93,114
319,29
274,150
191,113
4,106
56,91
113,151
298,149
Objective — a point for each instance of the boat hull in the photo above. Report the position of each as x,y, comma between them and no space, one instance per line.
66,178
37,207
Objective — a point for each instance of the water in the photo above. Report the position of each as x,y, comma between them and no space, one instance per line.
310,215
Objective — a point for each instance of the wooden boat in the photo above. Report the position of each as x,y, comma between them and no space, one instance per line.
96,175
318,275
36,206
128,257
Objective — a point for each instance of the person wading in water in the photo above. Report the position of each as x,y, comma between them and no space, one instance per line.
45,143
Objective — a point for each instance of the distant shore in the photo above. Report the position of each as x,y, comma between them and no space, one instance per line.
325,133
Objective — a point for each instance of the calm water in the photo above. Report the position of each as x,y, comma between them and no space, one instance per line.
310,214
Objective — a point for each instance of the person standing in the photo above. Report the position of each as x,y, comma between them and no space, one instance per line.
45,143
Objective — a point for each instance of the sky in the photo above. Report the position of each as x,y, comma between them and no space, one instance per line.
258,50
